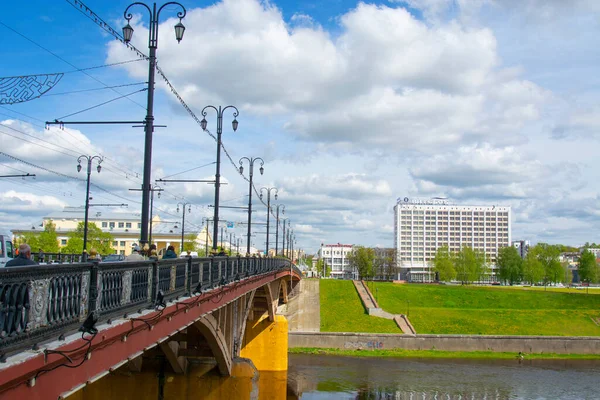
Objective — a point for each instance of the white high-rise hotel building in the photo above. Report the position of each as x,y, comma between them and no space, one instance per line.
423,226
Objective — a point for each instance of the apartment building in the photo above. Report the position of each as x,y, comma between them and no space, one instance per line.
335,257
522,247
423,226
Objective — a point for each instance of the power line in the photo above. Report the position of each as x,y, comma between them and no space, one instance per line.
96,89
101,104
65,61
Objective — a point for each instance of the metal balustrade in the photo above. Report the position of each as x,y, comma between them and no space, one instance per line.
44,302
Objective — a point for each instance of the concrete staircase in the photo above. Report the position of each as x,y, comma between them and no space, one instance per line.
370,304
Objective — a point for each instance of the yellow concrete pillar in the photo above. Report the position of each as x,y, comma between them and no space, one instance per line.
266,343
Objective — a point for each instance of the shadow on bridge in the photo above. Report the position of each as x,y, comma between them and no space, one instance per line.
55,319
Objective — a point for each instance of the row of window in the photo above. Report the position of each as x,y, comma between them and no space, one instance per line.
465,213
119,224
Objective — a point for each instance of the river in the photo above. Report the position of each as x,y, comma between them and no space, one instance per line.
323,377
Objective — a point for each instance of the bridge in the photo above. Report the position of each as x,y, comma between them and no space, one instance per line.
65,326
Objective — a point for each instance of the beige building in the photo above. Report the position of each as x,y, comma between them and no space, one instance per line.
125,228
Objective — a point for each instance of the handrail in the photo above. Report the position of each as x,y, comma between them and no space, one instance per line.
41,302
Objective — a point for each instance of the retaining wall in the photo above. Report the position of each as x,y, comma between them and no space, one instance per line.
525,344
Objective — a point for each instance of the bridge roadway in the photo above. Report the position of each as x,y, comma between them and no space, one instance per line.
63,327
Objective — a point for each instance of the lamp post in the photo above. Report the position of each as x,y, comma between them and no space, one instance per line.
183,205
89,160
283,238
206,237
268,191
234,125
251,174
277,224
158,189
149,121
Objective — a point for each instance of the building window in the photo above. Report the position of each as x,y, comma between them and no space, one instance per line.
122,252
128,225
139,225
63,242
111,225
122,243
115,243
121,224
105,224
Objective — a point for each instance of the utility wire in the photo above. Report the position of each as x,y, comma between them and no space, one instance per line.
101,104
96,89
65,61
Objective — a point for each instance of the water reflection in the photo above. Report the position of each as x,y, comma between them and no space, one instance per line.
332,377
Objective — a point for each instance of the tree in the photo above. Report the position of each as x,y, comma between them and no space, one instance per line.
470,265
189,243
48,240
510,265
96,238
362,259
548,254
533,270
384,264
443,264
31,238
588,268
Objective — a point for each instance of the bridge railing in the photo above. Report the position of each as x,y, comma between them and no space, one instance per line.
38,303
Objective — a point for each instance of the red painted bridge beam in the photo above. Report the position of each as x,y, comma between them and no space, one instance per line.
114,344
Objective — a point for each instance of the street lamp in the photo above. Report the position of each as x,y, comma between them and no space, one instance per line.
89,160
277,224
158,189
183,205
206,238
268,190
251,173
234,125
283,238
149,121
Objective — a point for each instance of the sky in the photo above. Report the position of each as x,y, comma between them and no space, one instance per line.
351,105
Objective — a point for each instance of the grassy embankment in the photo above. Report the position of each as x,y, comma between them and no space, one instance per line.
445,309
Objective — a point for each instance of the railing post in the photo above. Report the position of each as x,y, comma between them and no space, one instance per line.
154,283
188,276
93,297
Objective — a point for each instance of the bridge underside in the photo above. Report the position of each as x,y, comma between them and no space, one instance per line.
207,329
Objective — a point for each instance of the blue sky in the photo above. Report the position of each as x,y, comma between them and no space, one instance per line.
350,104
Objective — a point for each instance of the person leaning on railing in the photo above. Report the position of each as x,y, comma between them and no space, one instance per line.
24,257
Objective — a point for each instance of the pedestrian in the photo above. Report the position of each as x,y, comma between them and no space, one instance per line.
135,254
23,259
41,256
170,253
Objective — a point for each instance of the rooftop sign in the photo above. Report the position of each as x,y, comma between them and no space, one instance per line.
432,201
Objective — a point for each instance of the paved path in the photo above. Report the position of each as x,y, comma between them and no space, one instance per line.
303,310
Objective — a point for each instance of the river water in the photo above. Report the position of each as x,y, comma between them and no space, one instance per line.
323,377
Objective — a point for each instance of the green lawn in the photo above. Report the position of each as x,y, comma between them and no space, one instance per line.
446,309
449,309
342,311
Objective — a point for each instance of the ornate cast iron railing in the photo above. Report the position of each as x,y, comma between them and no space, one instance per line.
39,303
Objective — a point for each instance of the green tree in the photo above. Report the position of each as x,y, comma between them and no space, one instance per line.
384,263
510,265
362,258
31,238
49,239
470,265
588,268
548,255
533,270
96,238
189,242
443,264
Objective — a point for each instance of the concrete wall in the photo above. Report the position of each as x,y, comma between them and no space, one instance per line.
526,344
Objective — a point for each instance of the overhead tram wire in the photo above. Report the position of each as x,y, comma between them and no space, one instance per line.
100,22
101,104
67,62
65,176
95,89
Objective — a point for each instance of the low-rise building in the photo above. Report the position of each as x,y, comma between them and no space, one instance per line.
335,257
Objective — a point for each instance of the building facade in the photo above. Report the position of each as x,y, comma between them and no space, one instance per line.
124,227
335,257
423,226
522,247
